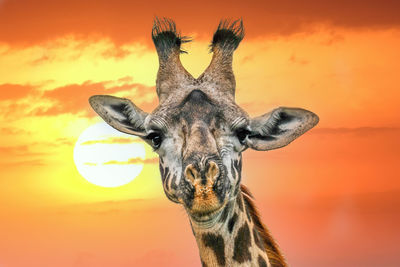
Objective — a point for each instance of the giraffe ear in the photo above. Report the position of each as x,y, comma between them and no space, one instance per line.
279,127
120,113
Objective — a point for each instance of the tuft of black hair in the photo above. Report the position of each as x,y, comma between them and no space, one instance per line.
228,35
166,37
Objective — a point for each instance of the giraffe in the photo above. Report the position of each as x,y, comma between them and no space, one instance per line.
199,133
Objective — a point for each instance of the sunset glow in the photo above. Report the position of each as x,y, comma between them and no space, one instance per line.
73,195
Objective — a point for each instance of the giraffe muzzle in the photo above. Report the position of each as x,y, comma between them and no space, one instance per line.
205,198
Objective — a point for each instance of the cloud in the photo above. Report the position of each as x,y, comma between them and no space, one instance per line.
132,161
90,164
32,149
73,98
21,155
112,140
18,164
21,150
116,53
18,101
12,131
27,22
128,162
65,141
27,149
15,91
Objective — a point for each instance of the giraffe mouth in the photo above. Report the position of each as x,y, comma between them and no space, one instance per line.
205,216
204,198
205,207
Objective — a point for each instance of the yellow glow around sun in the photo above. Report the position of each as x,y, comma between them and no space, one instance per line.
108,158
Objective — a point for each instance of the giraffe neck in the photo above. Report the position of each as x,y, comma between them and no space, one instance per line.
236,237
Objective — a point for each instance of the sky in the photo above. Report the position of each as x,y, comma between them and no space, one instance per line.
330,198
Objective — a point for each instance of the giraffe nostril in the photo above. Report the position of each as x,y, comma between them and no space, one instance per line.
212,171
207,176
191,173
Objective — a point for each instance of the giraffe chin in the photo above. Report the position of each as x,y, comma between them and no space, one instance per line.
202,212
204,217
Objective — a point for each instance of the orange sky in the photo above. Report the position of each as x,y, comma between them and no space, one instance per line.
330,198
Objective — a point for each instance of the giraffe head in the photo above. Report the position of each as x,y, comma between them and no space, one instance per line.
198,130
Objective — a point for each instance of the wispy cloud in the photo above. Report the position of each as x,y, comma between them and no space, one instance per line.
132,161
116,53
25,163
12,131
90,164
15,91
73,98
128,162
70,99
19,150
112,140
33,150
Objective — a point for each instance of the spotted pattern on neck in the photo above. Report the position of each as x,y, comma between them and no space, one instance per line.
237,238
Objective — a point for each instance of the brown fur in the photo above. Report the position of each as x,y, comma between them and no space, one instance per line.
204,196
201,123
271,247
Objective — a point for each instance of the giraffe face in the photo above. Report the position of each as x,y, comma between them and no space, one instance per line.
199,138
198,130
199,141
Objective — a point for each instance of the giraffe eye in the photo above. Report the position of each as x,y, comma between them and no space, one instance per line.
242,134
156,139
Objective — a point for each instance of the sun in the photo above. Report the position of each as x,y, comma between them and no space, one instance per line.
108,158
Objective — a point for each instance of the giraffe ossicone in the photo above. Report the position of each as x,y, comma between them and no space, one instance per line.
199,133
